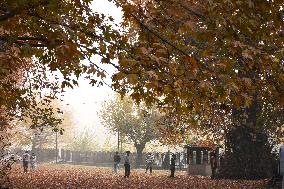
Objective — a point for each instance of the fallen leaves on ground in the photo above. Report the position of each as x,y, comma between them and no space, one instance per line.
68,176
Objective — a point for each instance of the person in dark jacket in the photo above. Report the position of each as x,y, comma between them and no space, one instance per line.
166,161
173,165
281,166
116,159
26,159
127,164
213,163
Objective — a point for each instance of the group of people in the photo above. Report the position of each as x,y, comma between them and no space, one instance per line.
149,163
117,160
29,159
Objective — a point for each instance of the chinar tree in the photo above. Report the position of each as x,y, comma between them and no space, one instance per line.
218,64
137,124
42,44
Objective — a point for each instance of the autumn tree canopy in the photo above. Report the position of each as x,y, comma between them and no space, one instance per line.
195,56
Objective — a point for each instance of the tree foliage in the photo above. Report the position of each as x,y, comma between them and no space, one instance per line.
84,141
40,132
205,60
191,54
40,37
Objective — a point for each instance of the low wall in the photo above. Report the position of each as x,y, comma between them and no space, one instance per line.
199,169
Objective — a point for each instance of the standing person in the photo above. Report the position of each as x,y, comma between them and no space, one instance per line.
213,163
149,162
166,161
127,164
116,159
173,165
33,161
281,158
26,158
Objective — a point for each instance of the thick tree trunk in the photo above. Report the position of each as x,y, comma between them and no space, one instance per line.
139,150
34,144
248,152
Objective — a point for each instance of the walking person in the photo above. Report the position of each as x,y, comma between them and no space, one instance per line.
166,161
33,161
213,163
281,158
127,164
26,158
149,162
116,159
173,165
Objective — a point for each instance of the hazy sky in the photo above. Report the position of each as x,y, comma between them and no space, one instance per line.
84,101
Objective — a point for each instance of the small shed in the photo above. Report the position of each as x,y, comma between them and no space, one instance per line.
198,159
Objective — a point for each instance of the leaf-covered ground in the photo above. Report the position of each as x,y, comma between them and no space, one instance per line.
62,176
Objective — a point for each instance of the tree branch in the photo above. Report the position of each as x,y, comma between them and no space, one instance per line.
193,12
7,16
25,40
40,45
160,37
164,40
